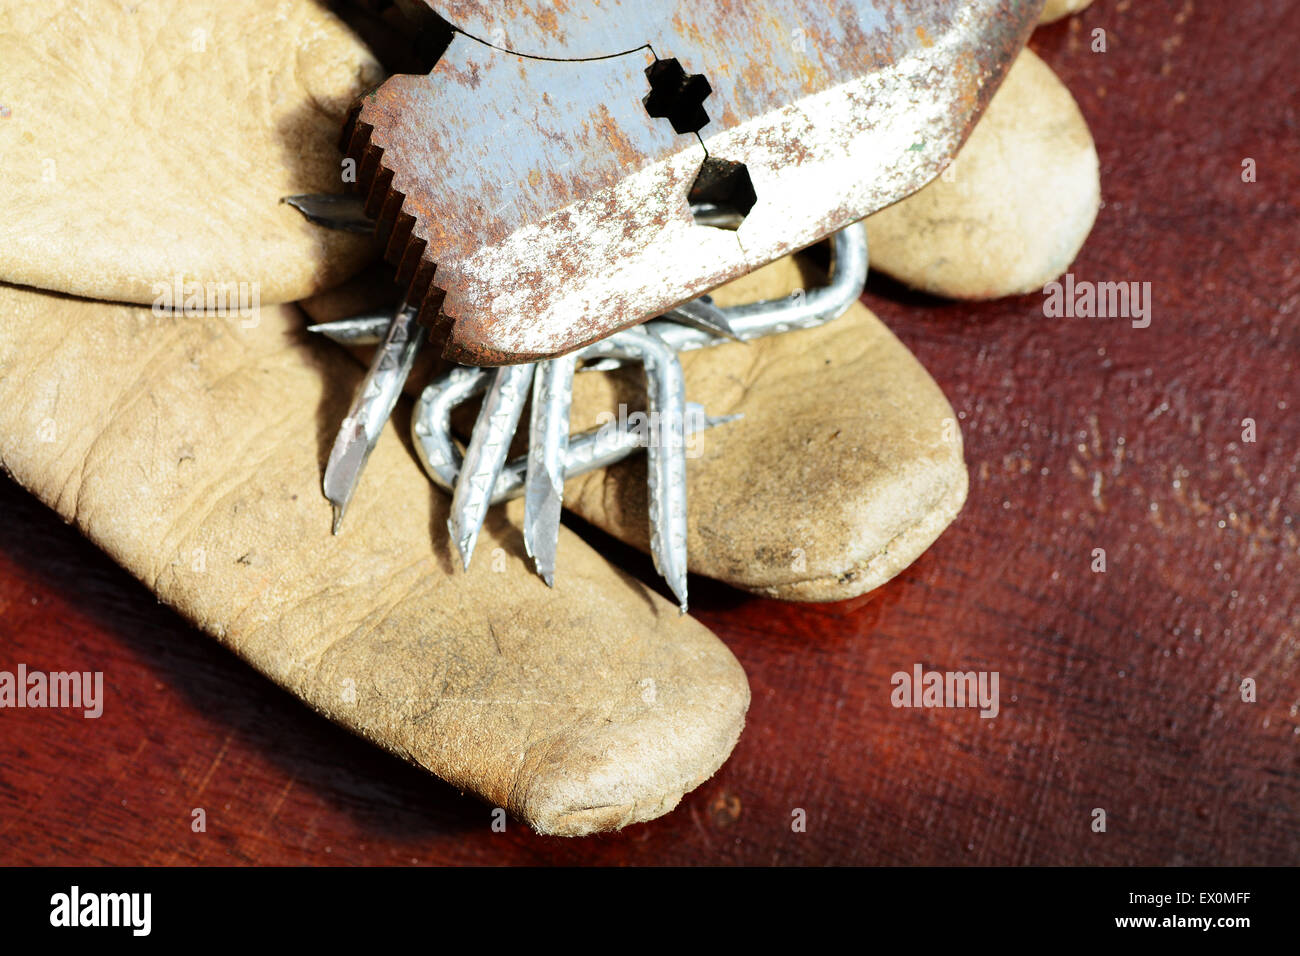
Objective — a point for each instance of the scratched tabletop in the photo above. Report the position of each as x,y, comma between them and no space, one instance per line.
1121,691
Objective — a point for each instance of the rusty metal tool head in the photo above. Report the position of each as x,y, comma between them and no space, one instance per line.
535,188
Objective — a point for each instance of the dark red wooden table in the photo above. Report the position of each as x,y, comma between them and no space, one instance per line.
1119,690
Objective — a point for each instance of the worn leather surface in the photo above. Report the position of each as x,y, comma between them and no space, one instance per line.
1015,207
190,449
148,141
845,466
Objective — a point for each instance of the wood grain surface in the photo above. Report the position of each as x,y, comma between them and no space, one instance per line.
1120,690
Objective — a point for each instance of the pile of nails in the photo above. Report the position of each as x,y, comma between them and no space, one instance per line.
481,476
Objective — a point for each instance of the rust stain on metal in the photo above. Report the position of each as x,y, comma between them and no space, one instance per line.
617,141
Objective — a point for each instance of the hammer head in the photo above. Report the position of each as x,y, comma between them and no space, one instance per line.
536,188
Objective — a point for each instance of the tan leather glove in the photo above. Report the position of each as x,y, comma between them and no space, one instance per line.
151,142
190,449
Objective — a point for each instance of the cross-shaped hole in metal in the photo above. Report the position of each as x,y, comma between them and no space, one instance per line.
677,96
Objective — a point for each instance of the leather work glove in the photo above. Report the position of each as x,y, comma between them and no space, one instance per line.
190,447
